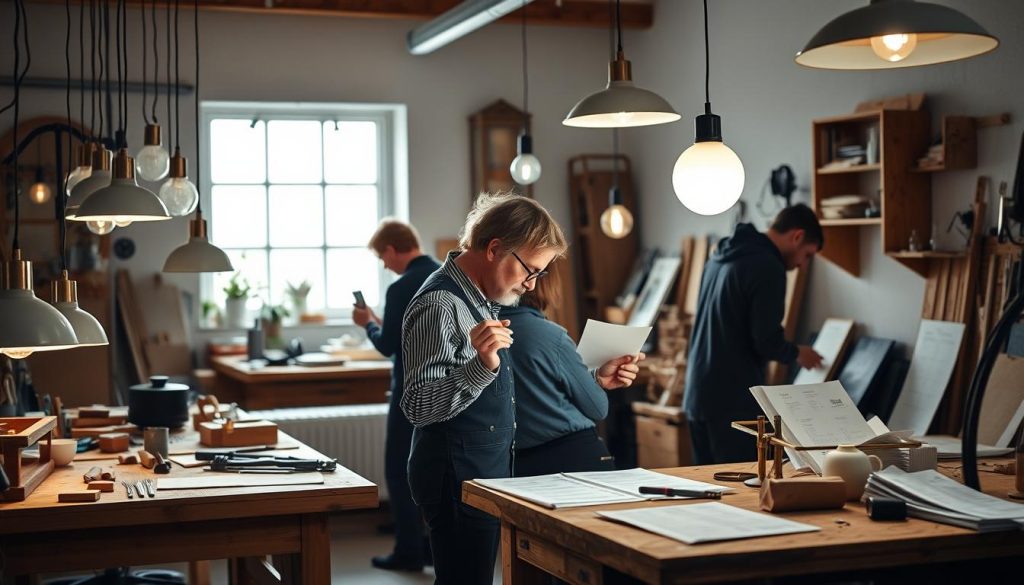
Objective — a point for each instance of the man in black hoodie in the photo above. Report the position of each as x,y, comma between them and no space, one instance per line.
738,330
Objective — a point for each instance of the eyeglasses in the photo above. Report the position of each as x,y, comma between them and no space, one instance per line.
530,274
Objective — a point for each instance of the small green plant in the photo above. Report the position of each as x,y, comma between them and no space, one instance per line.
274,313
238,287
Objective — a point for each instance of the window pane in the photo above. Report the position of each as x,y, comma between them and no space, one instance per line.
251,265
298,213
349,270
239,218
295,266
295,154
237,151
351,215
350,152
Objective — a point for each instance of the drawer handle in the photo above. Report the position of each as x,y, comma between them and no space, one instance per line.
524,544
583,576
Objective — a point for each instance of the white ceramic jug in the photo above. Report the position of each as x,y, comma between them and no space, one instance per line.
853,466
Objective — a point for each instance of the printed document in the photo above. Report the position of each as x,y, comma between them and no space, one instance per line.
938,344
602,342
709,522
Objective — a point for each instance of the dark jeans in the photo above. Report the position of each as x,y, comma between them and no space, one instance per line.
408,522
464,540
580,451
715,441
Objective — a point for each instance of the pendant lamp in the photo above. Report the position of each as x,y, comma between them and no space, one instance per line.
123,200
525,167
83,168
27,324
616,221
198,254
152,162
889,34
99,177
620,104
178,193
708,177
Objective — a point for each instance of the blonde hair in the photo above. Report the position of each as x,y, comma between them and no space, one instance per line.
397,234
518,222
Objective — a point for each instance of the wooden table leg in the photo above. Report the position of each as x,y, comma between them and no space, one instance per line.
199,573
312,564
514,570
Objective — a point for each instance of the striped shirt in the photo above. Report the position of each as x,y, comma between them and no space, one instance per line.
443,374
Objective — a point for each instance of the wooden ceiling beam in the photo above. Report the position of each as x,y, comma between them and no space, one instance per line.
570,13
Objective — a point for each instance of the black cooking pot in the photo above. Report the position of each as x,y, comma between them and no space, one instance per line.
158,403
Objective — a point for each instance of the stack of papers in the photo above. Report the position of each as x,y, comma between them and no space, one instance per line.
951,447
932,496
588,488
695,523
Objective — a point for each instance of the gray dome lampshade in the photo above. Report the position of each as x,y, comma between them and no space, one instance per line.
198,255
943,35
621,104
99,179
65,299
29,324
122,199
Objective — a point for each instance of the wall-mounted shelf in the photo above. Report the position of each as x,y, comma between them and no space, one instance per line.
851,222
851,169
926,254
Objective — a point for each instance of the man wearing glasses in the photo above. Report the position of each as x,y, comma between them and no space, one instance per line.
458,375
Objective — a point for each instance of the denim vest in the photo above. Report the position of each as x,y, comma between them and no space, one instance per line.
478,442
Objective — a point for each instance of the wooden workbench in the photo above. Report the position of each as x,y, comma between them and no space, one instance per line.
356,382
578,547
240,524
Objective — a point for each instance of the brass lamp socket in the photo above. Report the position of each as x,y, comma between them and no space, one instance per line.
179,166
64,290
151,136
197,227
124,165
100,158
620,69
16,273
85,154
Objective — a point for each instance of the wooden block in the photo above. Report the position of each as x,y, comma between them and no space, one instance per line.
84,496
146,458
113,442
94,473
83,422
127,459
108,474
102,485
93,412
77,433
238,434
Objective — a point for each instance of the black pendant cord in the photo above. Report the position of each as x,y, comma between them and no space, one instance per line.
120,76
177,80
93,67
81,64
145,69
61,197
156,64
28,54
613,192
108,131
124,76
526,80
618,23
707,63
167,37
611,30
196,166
19,9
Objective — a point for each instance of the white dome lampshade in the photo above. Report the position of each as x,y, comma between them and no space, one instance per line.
198,255
122,201
708,177
889,34
98,178
65,298
28,323
620,104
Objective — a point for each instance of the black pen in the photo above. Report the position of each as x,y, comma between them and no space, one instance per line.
667,491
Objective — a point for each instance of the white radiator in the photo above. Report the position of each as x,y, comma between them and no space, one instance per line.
352,434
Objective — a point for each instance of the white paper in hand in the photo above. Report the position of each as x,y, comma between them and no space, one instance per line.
602,342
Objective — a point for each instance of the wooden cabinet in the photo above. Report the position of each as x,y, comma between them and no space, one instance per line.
493,135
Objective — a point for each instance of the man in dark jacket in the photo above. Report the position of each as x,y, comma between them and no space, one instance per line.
738,330
398,246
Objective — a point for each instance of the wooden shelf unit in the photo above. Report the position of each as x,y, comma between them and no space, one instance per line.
904,197
959,145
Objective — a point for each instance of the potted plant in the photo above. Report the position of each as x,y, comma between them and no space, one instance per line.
271,317
211,314
237,292
298,294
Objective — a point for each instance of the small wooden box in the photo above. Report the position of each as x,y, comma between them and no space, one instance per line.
243,434
25,477
662,440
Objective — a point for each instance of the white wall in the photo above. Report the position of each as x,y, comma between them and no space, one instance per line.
767,103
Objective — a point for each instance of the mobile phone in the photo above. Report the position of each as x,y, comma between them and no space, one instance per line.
360,302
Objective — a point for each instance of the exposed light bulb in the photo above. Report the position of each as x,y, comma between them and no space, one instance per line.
152,162
16,353
122,222
100,227
894,48
179,195
40,193
708,178
77,176
525,169
616,222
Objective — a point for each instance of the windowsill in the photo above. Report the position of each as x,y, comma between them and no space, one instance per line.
340,322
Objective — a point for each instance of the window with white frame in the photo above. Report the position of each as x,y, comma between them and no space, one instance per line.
295,193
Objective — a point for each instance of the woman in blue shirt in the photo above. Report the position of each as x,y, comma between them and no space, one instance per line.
558,400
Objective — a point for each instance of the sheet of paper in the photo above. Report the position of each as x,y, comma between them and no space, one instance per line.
659,282
225,480
950,447
630,480
796,458
938,343
713,521
602,342
558,491
829,343
938,490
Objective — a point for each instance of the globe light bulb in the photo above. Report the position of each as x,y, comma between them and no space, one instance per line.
77,176
101,227
525,169
894,48
40,193
16,353
708,178
179,195
119,222
616,222
152,162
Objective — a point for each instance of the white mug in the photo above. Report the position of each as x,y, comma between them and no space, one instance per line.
853,466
